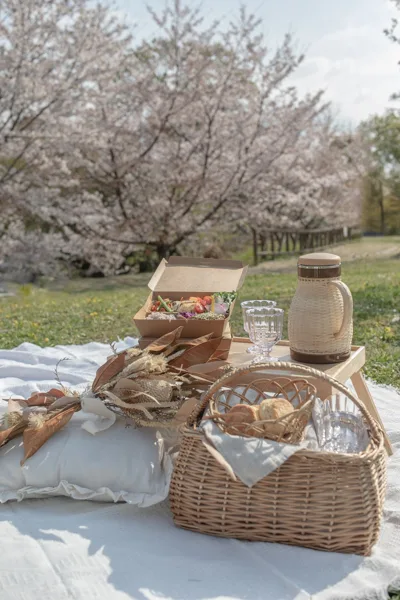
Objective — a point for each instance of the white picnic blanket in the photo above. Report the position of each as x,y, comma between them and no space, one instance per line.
59,549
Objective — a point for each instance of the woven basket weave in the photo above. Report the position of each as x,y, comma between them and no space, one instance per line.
289,428
320,500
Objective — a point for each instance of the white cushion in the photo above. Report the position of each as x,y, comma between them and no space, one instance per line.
118,464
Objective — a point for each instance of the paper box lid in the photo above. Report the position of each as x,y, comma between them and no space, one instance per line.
197,275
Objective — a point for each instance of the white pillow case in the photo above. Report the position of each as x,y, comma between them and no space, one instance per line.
119,464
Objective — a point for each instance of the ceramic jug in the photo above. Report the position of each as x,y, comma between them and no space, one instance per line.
321,312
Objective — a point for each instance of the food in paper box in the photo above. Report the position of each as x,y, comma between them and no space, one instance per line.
210,307
161,316
183,279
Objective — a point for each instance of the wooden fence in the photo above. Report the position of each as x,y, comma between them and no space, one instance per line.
271,244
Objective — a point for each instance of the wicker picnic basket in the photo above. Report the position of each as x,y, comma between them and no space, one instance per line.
317,499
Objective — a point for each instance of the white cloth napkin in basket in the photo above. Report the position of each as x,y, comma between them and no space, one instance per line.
250,458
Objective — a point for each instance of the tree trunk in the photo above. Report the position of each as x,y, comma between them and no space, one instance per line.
255,246
163,251
381,200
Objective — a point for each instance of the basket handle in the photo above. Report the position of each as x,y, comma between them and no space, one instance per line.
347,306
292,367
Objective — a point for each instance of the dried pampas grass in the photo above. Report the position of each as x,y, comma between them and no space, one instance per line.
137,366
152,384
37,420
11,419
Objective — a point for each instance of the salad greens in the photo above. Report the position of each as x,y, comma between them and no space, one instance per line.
214,306
225,296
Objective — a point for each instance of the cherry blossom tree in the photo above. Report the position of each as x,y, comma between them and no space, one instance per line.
51,54
321,187
153,143
196,120
315,184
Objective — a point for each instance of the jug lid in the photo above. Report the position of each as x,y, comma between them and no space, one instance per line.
322,259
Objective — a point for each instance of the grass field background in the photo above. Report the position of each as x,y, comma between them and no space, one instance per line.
80,311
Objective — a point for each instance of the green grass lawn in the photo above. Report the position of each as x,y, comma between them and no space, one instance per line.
102,310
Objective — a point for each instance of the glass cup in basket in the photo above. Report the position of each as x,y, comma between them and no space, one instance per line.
248,305
265,330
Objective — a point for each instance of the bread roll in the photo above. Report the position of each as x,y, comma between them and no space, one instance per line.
238,419
274,408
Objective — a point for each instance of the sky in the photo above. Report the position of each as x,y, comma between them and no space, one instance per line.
347,53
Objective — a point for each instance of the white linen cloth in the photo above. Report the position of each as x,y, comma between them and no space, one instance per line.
59,549
104,416
250,458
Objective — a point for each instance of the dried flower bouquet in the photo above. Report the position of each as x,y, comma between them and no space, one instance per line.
147,386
